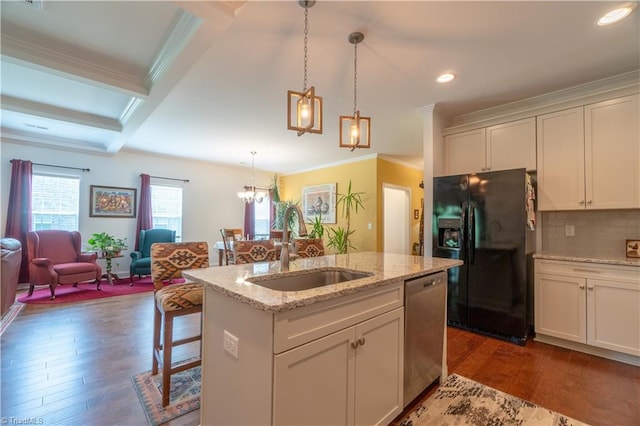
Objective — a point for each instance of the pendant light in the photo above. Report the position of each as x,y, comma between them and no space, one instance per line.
304,109
249,195
355,131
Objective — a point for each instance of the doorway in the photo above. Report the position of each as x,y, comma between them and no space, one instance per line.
397,219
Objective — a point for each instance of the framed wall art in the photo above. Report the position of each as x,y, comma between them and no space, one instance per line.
319,200
633,248
112,201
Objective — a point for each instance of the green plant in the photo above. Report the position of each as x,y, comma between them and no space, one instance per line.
281,207
317,227
339,237
107,244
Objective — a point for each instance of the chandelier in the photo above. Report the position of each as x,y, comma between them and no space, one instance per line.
304,109
354,129
249,195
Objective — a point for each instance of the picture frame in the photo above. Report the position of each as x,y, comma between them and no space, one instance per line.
633,248
319,201
112,201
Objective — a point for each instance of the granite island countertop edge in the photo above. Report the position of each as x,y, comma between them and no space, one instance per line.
233,280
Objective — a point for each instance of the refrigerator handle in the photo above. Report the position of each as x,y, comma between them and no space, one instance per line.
465,230
471,233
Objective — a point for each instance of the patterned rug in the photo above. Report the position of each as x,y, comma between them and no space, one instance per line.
185,394
10,315
461,401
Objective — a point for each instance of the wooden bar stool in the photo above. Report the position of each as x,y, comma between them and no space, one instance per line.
168,260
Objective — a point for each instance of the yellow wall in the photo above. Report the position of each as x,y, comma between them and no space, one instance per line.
366,176
362,175
399,175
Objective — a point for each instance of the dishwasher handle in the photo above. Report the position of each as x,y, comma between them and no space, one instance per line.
416,285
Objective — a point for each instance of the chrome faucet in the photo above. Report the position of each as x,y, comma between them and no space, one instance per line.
302,232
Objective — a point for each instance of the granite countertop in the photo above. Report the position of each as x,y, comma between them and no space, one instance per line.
385,268
611,260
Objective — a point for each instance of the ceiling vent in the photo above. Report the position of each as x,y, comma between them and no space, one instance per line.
36,4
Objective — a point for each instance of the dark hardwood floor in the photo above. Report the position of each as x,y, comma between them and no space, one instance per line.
72,365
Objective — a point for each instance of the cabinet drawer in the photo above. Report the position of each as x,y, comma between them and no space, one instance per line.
302,325
589,270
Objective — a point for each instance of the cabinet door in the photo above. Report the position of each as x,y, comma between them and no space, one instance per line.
313,383
379,369
561,160
512,145
613,313
465,152
612,154
560,307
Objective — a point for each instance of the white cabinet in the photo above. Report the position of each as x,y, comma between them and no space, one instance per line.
337,362
355,371
593,304
588,157
501,147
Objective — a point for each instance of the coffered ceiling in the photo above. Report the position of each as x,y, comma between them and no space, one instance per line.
208,79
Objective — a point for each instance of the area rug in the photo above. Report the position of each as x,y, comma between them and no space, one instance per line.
9,316
184,397
66,293
461,401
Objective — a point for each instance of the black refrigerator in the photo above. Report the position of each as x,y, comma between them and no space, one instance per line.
482,219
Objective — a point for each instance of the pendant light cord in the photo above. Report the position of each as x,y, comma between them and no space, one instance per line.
355,78
306,40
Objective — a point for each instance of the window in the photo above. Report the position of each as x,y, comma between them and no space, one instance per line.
261,219
166,208
55,202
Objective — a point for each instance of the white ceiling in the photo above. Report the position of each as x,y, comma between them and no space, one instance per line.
209,79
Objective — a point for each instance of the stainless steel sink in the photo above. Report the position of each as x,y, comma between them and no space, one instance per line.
308,280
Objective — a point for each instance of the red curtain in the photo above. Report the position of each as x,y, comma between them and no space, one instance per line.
249,221
145,218
19,209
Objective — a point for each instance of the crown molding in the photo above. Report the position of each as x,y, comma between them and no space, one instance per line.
583,94
184,27
51,61
51,112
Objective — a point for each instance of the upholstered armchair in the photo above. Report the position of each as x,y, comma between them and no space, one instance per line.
141,259
55,257
10,271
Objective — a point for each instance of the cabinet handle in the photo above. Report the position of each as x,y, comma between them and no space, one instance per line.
590,271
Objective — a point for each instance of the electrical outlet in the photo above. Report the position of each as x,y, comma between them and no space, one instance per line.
230,344
569,230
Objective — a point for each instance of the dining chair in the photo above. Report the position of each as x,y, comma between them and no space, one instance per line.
229,236
309,247
168,260
251,251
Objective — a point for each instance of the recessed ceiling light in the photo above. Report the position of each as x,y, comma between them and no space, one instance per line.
446,77
615,15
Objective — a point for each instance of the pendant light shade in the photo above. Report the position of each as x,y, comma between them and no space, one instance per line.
304,109
249,194
355,130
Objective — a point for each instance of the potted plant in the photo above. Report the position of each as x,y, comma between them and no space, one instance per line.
339,237
107,247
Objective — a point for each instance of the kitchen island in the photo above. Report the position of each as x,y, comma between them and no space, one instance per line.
326,355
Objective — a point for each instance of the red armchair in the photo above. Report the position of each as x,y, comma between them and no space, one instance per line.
55,257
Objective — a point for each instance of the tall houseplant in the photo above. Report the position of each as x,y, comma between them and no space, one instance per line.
340,237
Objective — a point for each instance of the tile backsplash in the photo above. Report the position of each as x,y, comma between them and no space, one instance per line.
598,233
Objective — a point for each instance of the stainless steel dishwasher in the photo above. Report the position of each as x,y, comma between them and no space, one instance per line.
424,311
